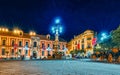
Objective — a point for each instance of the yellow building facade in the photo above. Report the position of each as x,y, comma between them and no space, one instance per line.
15,43
82,41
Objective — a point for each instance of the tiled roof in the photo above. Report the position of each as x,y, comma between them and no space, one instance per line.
10,33
26,35
42,37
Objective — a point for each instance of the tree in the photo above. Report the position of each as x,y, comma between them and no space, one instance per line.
76,51
116,37
107,44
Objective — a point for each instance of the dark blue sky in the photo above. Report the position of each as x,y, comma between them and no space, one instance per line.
77,15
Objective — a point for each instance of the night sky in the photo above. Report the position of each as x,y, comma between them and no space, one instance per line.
77,15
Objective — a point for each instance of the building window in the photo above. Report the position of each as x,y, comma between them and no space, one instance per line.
48,37
35,44
88,38
26,44
21,33
76,43
20,43
42,45
12,52
88,46
3,51
20,51
26,52
42,53
13,42
48,45
63,47
79,41
58,46
82,46
82,40
75,47
48,53
3,42
53,46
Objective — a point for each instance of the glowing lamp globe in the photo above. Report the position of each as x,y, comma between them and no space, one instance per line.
53,29
57,21
60,29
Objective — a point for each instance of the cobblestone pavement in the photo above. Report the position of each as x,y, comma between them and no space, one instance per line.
57,67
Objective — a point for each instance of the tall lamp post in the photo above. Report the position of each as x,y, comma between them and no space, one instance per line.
57,30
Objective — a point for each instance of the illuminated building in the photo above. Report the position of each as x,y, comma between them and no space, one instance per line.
16,43
83,41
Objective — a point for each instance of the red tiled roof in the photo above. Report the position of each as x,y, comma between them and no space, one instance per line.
26,35
10,33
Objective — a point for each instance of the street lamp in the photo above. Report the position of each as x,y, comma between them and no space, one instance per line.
57,30
104,36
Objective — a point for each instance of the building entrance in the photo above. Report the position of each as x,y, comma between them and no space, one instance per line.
34,54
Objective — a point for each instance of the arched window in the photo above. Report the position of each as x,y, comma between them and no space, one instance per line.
26,44
21,33
35,44
20,43
48,45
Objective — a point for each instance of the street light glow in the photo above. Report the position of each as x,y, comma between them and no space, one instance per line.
57,28
60,29
57,21
104,36
53,29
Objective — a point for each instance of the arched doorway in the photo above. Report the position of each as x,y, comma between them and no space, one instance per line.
34,54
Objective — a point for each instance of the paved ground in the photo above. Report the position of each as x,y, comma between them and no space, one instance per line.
58,67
